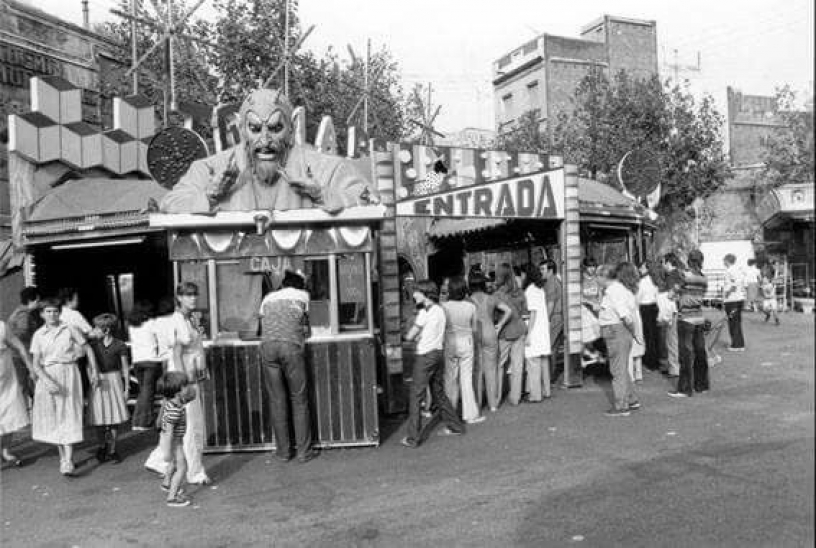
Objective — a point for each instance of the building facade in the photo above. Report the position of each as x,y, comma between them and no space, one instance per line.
542,74
35,43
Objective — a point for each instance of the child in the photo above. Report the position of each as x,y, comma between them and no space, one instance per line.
429,365
108,401
57,413
177,391
637,352
769,303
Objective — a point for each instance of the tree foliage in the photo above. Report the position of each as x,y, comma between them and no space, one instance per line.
527,136
788,152
193,79
247,38
612,117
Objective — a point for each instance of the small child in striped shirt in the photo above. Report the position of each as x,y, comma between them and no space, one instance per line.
177,391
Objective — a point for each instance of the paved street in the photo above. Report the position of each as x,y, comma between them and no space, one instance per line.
734,467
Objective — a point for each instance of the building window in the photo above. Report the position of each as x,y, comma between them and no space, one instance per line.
532,95
507,107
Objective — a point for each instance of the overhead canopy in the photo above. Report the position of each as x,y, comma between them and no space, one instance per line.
84,207
790,202
598,202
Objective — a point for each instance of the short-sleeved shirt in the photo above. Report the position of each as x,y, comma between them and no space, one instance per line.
60,344
515,328
460,316
431,322
76,319
284,316
691,298
591,290
164,329
617,304
647,291
174,418
734,284
144,346
109,358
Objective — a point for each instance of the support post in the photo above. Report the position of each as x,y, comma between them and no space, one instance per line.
134,53
570,240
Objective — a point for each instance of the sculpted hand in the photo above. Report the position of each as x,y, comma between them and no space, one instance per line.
222,183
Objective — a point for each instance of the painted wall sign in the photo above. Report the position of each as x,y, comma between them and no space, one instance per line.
534,196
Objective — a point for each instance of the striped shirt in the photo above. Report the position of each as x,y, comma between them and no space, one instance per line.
174,417
692,293
284,316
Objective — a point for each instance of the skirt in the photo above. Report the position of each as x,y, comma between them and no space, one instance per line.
13,406
57,418
107,405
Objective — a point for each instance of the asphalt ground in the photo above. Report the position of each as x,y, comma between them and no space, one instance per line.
733,467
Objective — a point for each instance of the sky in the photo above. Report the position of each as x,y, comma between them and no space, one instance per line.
751,45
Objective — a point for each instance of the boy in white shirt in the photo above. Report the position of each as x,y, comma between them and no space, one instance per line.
429,366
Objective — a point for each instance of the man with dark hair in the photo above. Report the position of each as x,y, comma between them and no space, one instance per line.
555,311
691,339
23,322
285,327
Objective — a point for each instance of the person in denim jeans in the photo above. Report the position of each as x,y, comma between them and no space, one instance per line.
512,337
429,368
285,325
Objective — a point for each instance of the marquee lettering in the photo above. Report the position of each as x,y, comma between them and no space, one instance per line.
532,196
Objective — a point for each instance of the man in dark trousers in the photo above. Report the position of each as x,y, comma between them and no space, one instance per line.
285,326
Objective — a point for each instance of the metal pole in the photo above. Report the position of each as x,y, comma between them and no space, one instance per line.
134,54
366,90
170,40
286,51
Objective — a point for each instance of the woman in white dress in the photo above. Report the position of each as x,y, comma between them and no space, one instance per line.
537,345
13,408
188,357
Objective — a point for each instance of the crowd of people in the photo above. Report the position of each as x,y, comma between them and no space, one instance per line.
59,373
473,332
65,374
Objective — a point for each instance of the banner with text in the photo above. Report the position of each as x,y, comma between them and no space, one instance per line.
533,196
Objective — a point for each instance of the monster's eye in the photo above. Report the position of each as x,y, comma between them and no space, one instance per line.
276,127
254,128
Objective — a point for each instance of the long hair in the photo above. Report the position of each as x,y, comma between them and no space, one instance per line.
478,284
627,274
457,288
505,278
655,272
695,261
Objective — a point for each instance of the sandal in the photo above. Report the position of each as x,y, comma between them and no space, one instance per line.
12,460
179,501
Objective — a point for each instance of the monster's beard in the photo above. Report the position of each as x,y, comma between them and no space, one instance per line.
267,169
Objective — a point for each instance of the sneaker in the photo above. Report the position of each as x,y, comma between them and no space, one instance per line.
477,420
408,443
283,456
311,454
634,406
178,502
676,394
617,413
157,470
114,457
448,432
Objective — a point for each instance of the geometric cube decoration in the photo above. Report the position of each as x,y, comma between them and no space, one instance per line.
56,98
35,136
81,145
119,151
134,115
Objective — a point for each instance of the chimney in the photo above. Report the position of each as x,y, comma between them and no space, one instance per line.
85,16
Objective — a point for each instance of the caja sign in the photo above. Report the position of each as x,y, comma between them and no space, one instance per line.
533,196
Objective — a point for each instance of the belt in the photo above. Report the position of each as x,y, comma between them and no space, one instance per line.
57,363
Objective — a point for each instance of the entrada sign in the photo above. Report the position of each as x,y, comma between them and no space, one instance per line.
535,196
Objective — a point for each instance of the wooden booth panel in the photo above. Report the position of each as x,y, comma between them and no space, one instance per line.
343,397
